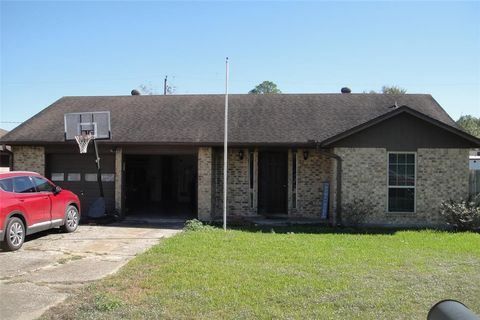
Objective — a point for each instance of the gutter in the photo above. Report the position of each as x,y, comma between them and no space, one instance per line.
338,199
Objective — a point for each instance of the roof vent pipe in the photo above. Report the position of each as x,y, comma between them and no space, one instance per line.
135,92
346,90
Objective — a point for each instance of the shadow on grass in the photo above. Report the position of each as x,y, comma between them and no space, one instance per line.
322,229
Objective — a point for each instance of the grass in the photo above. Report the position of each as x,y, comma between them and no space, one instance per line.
263,275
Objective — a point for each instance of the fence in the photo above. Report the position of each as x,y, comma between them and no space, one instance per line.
474,182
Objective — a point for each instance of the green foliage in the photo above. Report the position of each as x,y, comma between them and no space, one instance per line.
196,225
393,90
470,124
266,87
462,215
389,90
105,302
357,211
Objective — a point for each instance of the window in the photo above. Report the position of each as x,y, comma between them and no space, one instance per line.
401,182
43,185
7,184
90,177
73,177
110,177
57,176
23,185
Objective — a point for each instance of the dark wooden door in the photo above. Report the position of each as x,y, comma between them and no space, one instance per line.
273,182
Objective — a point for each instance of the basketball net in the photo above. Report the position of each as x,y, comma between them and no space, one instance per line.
83,141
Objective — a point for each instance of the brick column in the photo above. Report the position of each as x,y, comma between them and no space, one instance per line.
29,158
205,183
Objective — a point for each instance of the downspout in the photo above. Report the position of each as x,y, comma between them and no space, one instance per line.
339,180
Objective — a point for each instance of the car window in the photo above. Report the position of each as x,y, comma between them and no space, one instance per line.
23,185
42,184
7,184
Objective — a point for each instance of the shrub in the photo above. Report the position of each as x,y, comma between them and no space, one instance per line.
196,225
357,211
462,215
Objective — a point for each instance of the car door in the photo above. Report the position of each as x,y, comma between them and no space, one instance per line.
35,205
57,206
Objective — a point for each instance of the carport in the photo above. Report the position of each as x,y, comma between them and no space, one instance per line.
160,185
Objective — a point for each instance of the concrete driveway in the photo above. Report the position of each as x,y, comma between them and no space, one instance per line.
51,264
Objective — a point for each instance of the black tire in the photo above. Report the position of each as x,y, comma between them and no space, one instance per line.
72,217
14,235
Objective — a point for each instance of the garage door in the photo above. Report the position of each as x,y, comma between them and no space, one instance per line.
78,173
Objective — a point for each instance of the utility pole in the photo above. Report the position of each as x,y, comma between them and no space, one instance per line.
165,86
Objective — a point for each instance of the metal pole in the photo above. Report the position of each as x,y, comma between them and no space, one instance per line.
99,169
225,148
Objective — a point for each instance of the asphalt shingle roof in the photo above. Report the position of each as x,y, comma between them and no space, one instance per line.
198,119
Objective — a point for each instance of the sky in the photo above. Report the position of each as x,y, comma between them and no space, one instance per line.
54,49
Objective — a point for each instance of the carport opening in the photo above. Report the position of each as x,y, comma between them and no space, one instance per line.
161,186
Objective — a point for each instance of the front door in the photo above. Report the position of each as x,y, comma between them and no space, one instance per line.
273,182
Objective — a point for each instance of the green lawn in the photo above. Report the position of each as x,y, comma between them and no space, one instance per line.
255,275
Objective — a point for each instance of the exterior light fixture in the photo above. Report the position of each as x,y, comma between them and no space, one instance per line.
305,154
240,154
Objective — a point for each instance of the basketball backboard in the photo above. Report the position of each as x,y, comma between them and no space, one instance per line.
94,123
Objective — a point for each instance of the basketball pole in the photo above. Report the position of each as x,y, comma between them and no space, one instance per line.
225,149
99,168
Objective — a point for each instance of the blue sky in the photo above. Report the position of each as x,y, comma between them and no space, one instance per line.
55,49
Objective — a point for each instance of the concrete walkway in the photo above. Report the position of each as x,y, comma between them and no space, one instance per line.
51,264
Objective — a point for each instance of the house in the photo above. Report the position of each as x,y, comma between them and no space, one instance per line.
5,154
290,155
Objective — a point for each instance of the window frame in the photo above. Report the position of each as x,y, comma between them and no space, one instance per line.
414,187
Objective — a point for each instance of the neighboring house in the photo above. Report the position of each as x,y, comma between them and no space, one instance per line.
5,154
403,154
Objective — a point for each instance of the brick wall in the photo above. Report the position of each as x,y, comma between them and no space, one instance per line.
311,173
239,194
441,174
29,158
205,194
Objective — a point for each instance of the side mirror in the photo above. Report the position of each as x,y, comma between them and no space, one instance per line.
57,190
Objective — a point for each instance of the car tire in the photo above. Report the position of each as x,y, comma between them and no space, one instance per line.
14,235
72,217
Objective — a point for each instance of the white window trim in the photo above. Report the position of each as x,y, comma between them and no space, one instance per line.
403,187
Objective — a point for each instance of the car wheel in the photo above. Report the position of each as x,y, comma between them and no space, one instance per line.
14,235
71,219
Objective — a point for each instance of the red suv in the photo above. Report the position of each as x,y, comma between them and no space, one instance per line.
30,203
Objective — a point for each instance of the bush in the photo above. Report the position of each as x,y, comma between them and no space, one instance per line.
357,211
196,225
462,215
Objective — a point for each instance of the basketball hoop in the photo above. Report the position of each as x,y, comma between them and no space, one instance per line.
83,141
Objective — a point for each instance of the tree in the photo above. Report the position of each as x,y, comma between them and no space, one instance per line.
147,89
393,90
266,87
389,90
470,124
